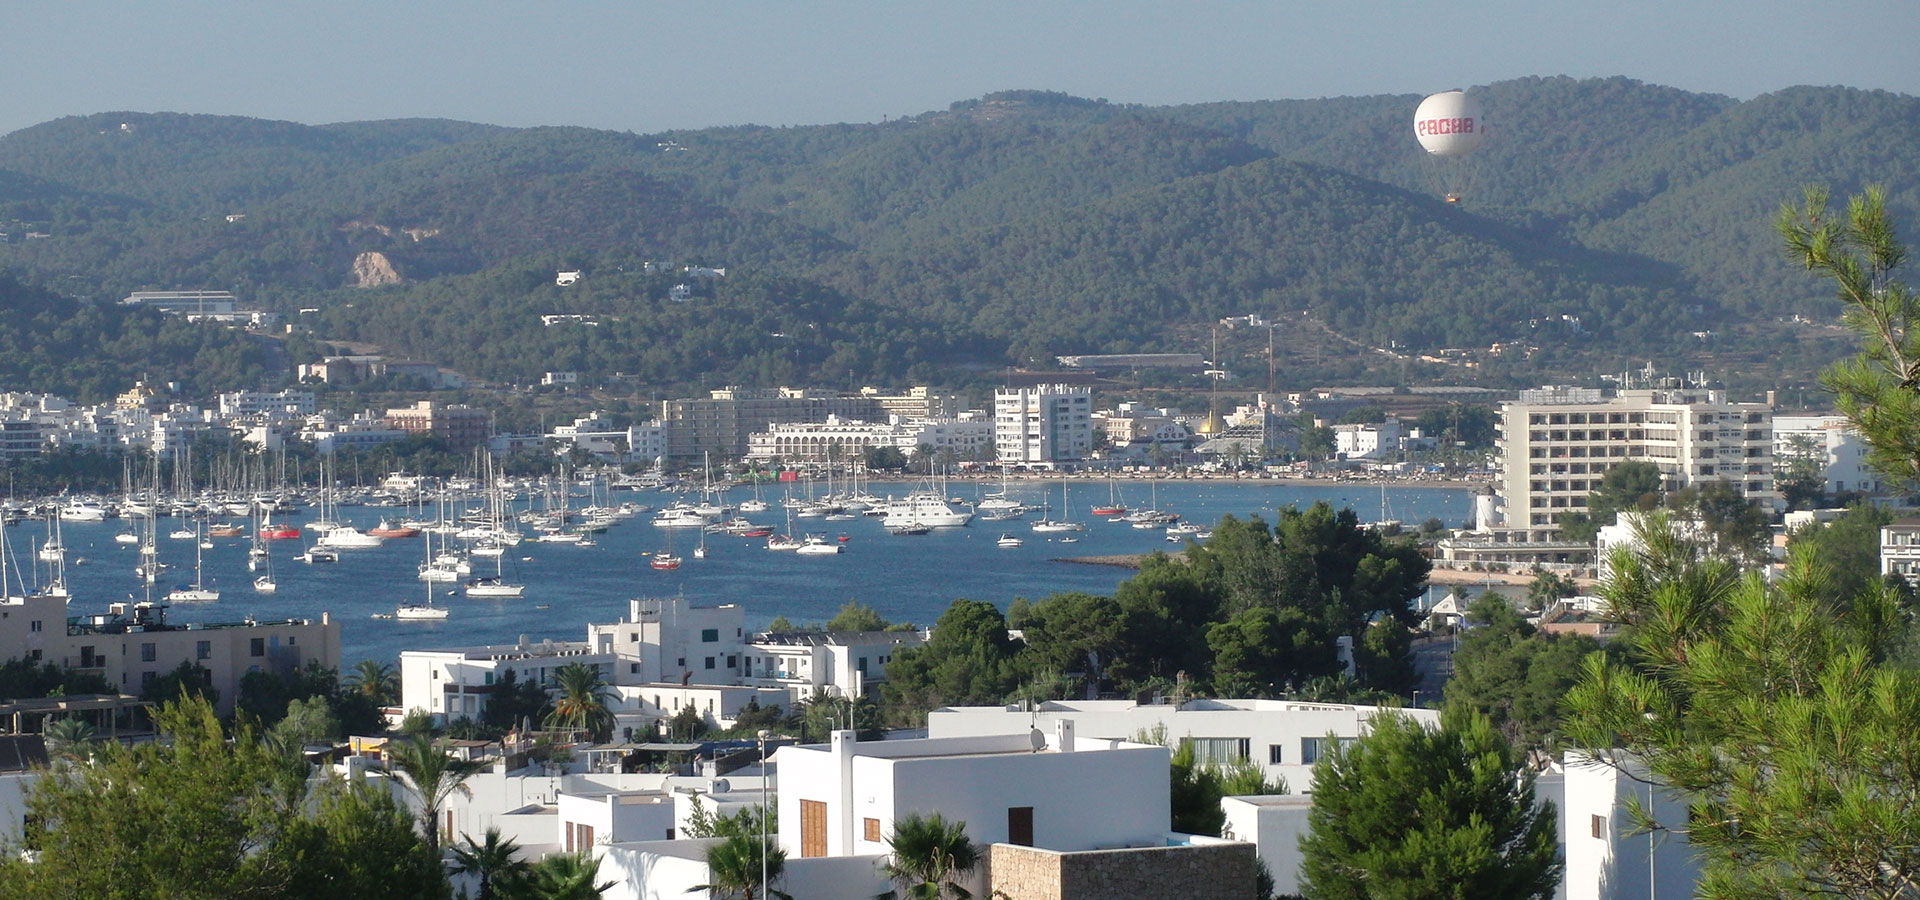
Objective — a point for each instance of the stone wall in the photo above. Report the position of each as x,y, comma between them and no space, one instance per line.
1224,871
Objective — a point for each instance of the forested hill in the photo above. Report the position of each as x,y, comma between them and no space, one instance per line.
1605,220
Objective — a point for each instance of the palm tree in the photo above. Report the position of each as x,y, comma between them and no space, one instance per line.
930,854
565,876
433,777
735,865
495,859
582,704
377,680
69,738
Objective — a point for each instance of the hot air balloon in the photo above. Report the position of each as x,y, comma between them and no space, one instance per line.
1450,123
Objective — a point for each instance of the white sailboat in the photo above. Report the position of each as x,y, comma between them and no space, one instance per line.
417,612
1050,525
197,592
495,585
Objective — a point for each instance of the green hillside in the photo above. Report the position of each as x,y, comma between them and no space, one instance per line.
89,352
1606,220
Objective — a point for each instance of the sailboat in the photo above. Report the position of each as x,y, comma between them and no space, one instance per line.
664,560
197,592
494,585
426,612
1113,507
1049,525
699,552
53,549
264,583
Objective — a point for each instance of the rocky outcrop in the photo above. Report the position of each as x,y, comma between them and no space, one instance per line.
373,269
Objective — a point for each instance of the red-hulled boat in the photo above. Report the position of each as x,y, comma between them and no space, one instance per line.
280,532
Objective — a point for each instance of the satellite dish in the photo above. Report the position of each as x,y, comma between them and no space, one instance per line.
1038,739
721,785
1450,123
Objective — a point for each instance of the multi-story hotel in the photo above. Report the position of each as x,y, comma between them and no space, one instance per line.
1042,425
1557,443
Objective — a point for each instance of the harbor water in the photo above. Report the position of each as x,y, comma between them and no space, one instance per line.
904,578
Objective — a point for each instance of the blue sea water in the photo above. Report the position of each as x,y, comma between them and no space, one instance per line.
909,579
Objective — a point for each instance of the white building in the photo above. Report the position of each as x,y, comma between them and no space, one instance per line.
1285,737
647,440
833,663
966,435
1556,444
1833,444
1900,550
1060,816
276,404
662,657
1372,440
1042,426
1605,859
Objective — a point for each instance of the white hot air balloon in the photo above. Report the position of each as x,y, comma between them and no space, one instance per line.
1450,123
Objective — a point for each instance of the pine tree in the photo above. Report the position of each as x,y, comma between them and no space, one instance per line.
1412,812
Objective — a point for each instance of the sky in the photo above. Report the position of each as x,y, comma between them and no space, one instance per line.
654,66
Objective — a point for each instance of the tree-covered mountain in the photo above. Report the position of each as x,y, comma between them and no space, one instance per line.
91,351
1605,220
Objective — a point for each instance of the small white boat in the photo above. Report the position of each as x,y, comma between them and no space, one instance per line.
420,613
817,545
347,537
1008,540
494,586
265,584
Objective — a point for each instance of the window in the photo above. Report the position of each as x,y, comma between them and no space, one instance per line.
871,829
147,652
709,662
1600,827
1310,750
633,668
36,625
1276,754
709,635
1217,750
1020,826
733,662
259,647
203,650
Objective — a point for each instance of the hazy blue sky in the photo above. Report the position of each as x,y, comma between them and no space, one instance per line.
648,66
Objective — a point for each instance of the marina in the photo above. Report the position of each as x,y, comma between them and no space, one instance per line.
568,584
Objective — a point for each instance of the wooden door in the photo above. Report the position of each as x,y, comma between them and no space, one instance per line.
813,828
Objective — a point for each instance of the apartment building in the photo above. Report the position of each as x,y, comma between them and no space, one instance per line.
722,423
966,436
1555,444
133,643
1833,445
1042,426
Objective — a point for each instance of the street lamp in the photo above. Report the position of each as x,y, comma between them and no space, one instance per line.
764,734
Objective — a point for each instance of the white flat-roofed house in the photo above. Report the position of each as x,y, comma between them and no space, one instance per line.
1286,737
1607,857
1059,817
455,684
812,663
